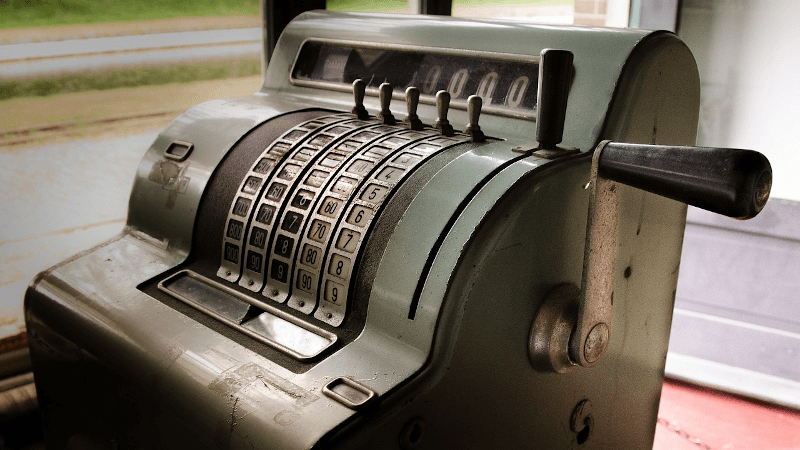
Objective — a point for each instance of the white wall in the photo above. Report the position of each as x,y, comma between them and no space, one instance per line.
748,52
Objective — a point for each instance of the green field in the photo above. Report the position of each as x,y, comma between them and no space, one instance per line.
139,76
367,6
30,13
397,5
401,5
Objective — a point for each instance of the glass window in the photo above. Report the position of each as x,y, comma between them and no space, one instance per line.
612,13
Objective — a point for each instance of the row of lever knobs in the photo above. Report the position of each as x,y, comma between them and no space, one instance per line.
412,120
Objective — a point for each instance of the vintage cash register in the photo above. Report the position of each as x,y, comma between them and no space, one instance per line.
421,233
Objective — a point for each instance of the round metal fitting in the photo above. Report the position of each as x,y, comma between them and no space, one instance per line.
596,343
548,342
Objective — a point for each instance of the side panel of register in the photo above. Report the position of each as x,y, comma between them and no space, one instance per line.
479,389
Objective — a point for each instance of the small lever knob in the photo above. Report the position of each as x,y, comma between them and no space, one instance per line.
474,104
385,97
555,77
359,89
412,100
442,106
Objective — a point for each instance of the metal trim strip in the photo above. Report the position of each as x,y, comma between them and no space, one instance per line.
332,338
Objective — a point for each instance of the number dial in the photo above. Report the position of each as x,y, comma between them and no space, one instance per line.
334,196
247,198
303,211
315,160
350,234
291,152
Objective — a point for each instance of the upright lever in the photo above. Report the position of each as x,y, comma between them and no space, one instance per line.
385,99
573,326
473,130
412,100
555,79
359,89
442,106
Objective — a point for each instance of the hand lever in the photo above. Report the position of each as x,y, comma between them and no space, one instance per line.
727,181
573,326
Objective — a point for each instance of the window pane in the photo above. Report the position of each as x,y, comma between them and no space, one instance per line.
612,13
538,11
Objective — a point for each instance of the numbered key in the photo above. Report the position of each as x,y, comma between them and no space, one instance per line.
334,293
258,237
359,216
235,229
284,245
306,281
311,256
374,193
330,207
348,240
319,230
265,214
390,174
339,266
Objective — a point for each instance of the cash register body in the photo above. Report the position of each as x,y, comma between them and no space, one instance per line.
467,257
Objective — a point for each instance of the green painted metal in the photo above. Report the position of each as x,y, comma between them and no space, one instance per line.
479,247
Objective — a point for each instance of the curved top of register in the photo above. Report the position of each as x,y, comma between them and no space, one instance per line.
601,55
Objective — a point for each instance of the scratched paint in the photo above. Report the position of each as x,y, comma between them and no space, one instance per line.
233,381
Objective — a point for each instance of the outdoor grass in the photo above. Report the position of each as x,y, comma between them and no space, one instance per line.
128,77
402,5
367,5
30,13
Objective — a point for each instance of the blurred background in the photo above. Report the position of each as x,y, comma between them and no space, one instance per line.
86,85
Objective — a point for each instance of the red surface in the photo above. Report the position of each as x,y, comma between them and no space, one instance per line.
692,417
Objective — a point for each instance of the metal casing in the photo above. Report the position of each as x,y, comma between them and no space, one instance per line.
478,248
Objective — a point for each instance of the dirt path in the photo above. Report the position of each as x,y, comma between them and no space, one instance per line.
31,121
95,30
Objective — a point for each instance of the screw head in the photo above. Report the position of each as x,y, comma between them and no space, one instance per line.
596,343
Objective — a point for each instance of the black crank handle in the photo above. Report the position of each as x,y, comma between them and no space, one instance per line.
728,181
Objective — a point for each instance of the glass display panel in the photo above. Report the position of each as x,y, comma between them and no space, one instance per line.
504,83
